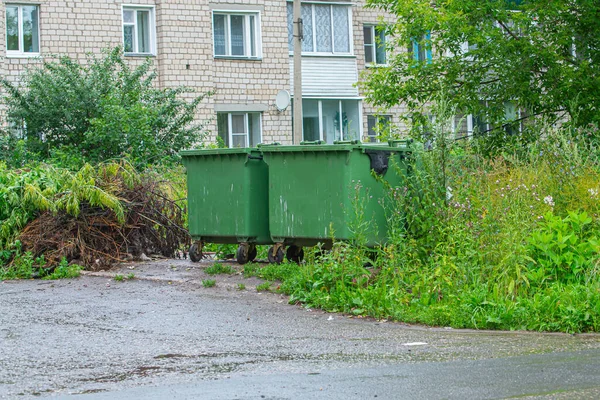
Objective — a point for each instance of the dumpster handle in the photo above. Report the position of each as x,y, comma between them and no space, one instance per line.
268,144
251,157
396,142
354,141
308,142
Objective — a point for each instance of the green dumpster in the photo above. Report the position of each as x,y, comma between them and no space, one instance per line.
315,192
227,200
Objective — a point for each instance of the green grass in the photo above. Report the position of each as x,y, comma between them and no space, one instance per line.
218,268
241,286
264,287
119,278
208,283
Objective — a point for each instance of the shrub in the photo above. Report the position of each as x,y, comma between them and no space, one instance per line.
99,110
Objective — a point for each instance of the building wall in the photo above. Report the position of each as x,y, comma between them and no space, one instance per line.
185,52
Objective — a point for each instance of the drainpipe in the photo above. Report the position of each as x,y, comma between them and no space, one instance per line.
298,33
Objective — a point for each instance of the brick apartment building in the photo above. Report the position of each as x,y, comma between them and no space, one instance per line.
241,49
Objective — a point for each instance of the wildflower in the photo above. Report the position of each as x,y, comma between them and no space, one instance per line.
549,200
593,193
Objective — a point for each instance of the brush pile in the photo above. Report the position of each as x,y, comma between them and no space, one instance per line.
94,217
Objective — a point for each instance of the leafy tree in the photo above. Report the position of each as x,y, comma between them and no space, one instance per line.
100,110
539,56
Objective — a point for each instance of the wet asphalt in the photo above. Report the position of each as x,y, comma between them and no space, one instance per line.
164,335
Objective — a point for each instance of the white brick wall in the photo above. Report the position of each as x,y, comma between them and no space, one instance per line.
184,38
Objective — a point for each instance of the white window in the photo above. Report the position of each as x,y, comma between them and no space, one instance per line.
512,122
138,30
376,126
239,129
374,37
22,30
236,34
331,120
326,28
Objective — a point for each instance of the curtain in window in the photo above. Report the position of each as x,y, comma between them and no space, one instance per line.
237,35
380,47
341,29
143,19
219,33
323,28
290,24
307,21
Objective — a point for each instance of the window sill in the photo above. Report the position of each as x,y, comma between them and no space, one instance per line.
23,55
238,58
325,55
139,54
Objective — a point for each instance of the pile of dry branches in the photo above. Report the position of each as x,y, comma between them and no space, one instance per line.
96,238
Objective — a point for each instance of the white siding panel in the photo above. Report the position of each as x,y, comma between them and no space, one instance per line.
327,77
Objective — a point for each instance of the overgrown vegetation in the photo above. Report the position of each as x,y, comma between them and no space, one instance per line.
95,111
505,243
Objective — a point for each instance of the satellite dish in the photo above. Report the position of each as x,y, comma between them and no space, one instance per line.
282,100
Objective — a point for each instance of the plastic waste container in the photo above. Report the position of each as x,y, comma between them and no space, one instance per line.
227,200
319,193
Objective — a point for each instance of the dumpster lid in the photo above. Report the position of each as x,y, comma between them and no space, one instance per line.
223,151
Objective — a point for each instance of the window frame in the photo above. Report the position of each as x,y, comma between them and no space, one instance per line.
21,53
247,33
341,110
378,121
416,47
247,134
373,28
151,28
348,7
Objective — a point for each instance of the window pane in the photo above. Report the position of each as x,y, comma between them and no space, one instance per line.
380,47
368,36
331,120
251,18
239,141
128,16
223,127
254,125
351,119
290,22
238,124
12,28
371,134
310,119
143,26
128,38
323,28
307,29
30,29
219,34
237,35
341,29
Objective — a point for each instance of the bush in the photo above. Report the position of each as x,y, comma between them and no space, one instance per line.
98,111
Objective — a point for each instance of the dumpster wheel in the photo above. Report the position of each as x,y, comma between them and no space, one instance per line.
252,253
196,251
295,254
276,254
244,253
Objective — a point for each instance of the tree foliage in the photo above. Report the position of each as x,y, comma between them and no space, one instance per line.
101,109
543,56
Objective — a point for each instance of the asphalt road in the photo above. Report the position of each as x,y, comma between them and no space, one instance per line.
164,335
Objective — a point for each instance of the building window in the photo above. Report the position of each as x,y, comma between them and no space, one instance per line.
331,120
421,49
236,35
374,44
22,30
512,123
239,129
376,126
326,28
138,30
